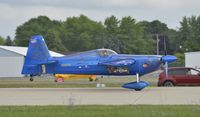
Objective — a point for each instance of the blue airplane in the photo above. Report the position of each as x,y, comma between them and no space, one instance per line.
98,62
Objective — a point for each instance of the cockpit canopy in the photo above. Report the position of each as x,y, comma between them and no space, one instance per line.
91,54
105,52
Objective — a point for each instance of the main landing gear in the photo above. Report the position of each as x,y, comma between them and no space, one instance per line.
137,85
31,78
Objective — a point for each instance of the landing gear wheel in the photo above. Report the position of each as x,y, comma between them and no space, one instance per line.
138,89
31,79
90,79
168,84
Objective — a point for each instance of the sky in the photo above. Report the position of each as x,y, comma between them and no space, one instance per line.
14,13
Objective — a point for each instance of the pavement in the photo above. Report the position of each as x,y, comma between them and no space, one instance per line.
100,96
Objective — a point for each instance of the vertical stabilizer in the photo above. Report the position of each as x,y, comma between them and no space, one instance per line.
36,55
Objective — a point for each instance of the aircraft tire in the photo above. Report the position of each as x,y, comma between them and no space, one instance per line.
90,79
31,79
138,89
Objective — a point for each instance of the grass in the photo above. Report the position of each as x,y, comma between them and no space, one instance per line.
101,111
48,82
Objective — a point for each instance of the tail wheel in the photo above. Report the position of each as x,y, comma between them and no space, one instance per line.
31,79
168,84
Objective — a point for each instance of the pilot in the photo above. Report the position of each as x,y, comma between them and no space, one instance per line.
103,53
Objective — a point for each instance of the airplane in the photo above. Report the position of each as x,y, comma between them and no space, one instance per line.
95,62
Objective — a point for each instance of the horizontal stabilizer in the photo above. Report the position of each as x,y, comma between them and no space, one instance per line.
46,62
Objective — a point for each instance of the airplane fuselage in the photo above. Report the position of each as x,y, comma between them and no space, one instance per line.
89,63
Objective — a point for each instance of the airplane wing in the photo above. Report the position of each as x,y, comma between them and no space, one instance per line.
118,63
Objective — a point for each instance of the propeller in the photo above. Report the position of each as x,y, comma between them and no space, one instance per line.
167,59
166,63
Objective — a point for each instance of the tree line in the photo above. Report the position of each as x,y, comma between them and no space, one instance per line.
125,35
8,41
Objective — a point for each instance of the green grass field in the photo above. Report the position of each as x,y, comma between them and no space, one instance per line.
45,82
101,111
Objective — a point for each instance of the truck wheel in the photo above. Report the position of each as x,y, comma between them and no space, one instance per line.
168,84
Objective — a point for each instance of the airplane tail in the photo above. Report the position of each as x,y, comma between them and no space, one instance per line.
36,57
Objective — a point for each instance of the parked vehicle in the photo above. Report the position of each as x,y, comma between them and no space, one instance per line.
180,76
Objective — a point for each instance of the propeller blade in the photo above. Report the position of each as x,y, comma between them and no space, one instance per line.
166,70
165,60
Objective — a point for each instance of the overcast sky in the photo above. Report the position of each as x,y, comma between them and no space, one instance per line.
15,12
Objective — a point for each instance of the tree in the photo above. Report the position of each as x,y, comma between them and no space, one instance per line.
44,26
8,41
2,41
131,34
151,29
111,25
34,26
82,33
53,41
124,35
189,33
172,41
157,27
111,34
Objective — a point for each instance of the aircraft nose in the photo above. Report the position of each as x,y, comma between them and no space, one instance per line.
168,58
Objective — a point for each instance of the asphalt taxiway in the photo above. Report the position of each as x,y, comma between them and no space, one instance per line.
100,96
